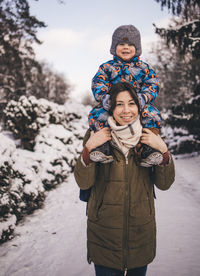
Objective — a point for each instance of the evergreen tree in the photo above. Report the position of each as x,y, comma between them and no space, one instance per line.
169,67
17,33
184,36
20,72
177,74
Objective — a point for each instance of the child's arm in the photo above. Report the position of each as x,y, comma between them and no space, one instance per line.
150,85
100,84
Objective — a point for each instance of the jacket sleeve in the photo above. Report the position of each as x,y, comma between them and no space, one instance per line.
164,176
150,83
100,84
85,175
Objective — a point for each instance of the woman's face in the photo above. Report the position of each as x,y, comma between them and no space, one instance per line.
126,109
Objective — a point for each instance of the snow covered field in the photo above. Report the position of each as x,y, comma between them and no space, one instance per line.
52,241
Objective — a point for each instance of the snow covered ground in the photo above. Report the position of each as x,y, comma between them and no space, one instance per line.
52,241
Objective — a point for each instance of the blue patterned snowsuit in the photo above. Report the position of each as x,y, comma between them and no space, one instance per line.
136,72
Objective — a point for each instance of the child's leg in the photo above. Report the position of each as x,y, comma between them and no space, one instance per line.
147,156
97,120
151,117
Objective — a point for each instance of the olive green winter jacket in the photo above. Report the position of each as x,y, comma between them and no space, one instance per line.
121,228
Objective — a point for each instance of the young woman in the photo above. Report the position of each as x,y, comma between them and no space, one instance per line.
121,228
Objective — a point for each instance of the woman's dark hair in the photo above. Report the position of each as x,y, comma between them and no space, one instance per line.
120,87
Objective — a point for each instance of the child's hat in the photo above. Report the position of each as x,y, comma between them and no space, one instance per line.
126,34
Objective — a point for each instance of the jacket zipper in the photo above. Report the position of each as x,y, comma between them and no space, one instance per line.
126,211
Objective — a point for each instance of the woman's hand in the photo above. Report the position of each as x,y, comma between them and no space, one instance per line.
153,140
98,138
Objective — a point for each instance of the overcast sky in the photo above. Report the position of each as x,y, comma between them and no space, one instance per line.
78,37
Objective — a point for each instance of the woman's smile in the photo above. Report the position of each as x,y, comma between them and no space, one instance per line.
126,109
127,119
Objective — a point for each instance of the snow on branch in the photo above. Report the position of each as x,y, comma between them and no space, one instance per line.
186,37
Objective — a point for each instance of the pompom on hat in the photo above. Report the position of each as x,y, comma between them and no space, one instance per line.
126,34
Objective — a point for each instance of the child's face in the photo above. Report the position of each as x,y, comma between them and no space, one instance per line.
125,51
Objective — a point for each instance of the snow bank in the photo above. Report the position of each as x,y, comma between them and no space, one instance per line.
56,134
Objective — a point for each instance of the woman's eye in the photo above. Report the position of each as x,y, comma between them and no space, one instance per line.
132,103
119,104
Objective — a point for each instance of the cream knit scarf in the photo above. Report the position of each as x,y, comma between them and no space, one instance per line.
127,136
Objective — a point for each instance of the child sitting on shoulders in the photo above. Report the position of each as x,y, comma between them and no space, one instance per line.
126,66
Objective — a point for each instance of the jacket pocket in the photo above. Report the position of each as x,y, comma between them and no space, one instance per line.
92,209
141,212
149,202
150,196
96,200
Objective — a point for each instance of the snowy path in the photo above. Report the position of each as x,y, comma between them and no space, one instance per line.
178,223
52,241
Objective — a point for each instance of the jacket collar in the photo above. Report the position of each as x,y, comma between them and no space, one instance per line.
121,61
